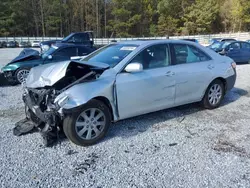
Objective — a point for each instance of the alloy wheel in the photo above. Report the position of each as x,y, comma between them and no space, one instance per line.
22,75
215,94
90,123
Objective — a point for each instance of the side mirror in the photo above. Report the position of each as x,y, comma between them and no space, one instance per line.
49,57
230,49
134,67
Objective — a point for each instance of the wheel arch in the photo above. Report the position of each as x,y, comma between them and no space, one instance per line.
223,80
20,68
107,103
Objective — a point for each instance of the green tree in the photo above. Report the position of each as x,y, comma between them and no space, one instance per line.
199,17
170,16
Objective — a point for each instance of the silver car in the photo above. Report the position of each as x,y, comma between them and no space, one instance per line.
124,80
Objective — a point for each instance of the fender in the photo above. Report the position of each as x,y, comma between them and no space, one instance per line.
80,94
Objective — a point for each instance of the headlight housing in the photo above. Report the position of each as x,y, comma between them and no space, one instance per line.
62,101
45,48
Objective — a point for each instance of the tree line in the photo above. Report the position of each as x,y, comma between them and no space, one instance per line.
123,18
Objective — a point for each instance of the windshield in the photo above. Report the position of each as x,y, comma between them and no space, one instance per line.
215,45
111,54
68,37
225,44
49,52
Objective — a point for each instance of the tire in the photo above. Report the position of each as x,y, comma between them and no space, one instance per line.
213,100
21,74
77,125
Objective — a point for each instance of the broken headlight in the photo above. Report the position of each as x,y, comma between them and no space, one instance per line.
62,101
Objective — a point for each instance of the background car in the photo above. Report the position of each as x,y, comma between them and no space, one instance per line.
12,44
239,51
213,40
35,43
18,69
3,44
83,38
219,46
135,78
24,44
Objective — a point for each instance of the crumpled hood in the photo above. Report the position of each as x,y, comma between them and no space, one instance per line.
48,75
26,54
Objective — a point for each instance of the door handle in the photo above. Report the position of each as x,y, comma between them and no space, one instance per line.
210,66
170,73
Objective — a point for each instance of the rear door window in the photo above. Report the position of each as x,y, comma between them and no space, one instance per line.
188,54
245,45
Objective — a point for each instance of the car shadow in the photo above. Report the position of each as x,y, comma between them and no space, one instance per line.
137,125
234,94
134,126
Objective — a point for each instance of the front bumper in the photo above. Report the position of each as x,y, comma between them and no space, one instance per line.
231,81
46,118
9,75
9,72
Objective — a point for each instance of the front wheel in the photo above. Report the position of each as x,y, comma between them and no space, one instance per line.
88,124
214,95
21,75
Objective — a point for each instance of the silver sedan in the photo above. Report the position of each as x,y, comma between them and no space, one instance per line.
124,80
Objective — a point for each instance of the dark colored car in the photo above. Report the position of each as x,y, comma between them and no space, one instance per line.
3,44
227,40
18,69
83,38
218,46
24,44
239,51
214,40
12,44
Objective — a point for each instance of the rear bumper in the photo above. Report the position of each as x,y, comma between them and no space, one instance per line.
231,81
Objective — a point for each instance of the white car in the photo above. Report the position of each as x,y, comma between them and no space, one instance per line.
35,44
124,80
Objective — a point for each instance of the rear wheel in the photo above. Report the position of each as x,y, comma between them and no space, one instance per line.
21,75
88,124
214,95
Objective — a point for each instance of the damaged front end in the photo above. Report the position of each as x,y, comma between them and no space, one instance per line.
43,86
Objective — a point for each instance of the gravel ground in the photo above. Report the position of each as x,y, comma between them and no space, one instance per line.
180,147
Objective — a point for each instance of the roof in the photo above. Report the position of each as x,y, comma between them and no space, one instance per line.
157,41
62,44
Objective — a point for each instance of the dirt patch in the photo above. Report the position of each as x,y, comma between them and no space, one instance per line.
229,147
83,167
19,112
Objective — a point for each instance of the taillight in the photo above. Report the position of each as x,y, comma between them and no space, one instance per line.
233,64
